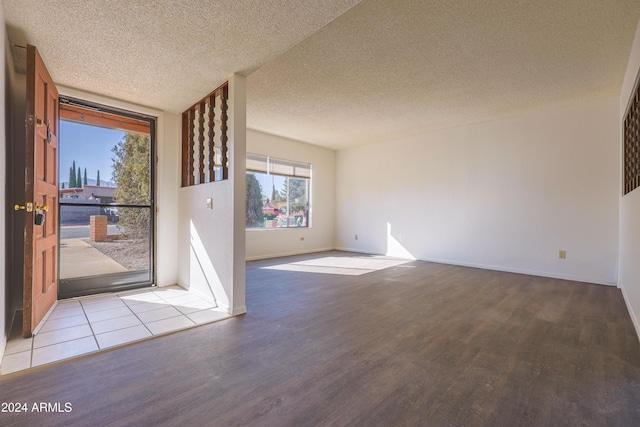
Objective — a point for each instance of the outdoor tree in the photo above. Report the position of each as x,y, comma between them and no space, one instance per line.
296,188
63,185
84,181
296,191
98,179
131,174
275,194
79,180
254,201
72,178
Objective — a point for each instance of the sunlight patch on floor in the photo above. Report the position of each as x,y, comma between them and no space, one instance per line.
347,266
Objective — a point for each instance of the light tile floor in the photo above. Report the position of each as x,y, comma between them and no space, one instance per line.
86,325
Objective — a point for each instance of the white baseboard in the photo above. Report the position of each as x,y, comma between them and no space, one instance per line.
632,314
358,250
3,346
283,254
44,319
239,310
527,272
500,268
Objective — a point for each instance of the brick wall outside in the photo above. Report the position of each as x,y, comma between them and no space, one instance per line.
98,228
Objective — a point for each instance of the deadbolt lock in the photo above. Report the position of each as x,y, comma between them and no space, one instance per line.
28,207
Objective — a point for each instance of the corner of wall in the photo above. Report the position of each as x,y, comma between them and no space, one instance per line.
632,313
4,129
168,185
238,134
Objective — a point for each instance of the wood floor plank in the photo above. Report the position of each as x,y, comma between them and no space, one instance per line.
415,343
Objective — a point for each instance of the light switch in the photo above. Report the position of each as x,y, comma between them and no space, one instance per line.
209,203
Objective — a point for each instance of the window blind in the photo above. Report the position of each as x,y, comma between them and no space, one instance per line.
274,166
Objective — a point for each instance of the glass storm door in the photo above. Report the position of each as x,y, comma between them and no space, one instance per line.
106,204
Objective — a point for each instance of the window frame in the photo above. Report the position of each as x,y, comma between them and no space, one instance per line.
77,110
275,166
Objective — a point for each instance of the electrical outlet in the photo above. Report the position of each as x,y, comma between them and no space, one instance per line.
356,237
562,254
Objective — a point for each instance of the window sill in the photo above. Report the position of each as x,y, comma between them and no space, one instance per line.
277,228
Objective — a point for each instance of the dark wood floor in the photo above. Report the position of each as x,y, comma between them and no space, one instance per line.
415,344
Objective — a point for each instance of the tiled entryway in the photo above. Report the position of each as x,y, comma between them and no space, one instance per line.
86,325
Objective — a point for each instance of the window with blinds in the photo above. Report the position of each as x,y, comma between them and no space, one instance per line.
278,193
271,165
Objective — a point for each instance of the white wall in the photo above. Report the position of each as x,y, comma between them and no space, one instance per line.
630,207
15,156
4,44
506,194
168,183
268,243
211,242
168,146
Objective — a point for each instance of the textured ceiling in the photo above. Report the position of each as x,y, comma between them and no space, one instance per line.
166,54
388,68
338,73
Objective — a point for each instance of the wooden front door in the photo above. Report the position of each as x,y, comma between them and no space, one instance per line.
41,194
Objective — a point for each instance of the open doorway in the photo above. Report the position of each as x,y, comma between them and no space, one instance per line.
106,188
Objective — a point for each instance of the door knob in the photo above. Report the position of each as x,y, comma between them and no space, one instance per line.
28,207
42,208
